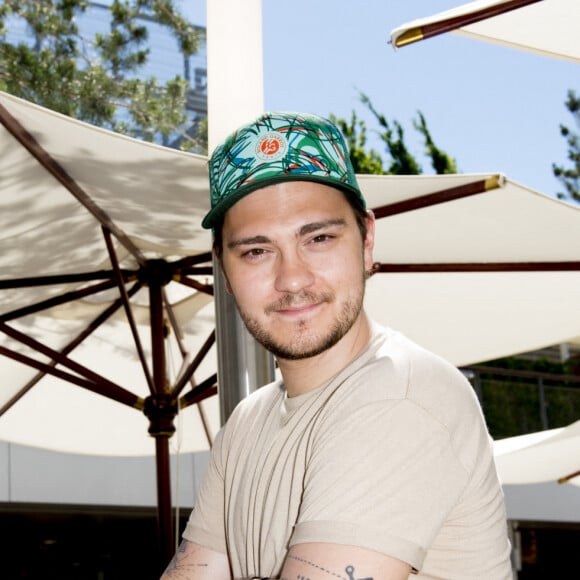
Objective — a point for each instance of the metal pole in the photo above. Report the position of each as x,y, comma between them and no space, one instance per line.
243,364
235,96
165,525
543,403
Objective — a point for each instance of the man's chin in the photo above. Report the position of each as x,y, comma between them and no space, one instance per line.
298,349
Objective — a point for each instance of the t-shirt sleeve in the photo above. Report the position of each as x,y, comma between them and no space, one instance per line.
384,477
206,522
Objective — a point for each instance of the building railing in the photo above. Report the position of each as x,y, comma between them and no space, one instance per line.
516,402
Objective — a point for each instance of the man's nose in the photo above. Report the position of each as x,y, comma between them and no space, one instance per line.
293,274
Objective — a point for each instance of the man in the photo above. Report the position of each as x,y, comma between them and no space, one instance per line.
370,458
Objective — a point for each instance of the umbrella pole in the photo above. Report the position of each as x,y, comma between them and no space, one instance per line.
243,364
161,408
164,513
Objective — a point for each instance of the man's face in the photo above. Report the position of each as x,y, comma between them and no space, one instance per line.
295,263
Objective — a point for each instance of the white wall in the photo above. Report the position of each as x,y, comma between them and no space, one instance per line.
545,502
29,474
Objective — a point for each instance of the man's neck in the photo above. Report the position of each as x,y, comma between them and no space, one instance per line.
304,375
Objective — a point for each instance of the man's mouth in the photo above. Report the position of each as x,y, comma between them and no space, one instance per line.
291,305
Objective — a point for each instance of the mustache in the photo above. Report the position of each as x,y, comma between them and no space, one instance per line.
303,298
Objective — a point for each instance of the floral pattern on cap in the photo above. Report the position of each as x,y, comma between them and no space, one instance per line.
278,147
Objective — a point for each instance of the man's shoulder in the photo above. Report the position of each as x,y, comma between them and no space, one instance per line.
397,368
395,348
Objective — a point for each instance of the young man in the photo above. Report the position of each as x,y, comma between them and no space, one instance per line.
370,458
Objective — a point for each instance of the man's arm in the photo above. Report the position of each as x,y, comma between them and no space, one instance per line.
195,562
317,561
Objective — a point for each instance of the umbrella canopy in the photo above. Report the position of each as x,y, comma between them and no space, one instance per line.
546,27
544,456
474,267
84,213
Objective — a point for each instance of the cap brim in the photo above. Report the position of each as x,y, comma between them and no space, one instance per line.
217,213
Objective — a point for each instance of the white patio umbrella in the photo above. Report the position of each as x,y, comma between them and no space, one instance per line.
474,276
547,27
99,230
551,455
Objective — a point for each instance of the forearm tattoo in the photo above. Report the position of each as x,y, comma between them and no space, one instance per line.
349,571
176,564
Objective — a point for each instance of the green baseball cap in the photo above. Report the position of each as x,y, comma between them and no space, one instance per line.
278,147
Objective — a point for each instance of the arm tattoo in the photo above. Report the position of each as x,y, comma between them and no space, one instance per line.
175,563
180,550
349,570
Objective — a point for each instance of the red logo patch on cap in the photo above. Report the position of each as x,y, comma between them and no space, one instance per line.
271,146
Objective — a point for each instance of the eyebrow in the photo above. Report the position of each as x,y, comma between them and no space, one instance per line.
315,226
248,241
303,231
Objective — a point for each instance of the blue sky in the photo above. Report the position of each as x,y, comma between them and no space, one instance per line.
492,108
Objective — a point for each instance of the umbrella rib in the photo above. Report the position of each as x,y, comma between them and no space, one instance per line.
383,267
205,288
29,142
174,324
204,390
189,266
58,357
192,367
443,196
34,281
192,260
127,308
568,477
429,30
197,271
187,374
92,326
57,300
106,388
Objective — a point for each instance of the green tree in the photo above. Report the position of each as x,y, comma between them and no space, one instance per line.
440,161
355,133
570,178
400,160
96,79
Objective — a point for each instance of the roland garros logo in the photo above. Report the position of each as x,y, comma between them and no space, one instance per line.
271,146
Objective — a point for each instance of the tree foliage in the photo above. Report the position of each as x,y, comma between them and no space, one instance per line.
570,177
441,162
393,135
400,160
95,79
355,133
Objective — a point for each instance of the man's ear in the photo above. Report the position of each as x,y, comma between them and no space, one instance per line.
369,241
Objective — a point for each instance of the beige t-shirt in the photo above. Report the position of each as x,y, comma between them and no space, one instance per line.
392,455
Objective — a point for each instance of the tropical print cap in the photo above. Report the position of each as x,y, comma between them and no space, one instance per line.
274,148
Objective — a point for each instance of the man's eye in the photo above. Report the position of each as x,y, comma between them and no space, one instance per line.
322,238
254,252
